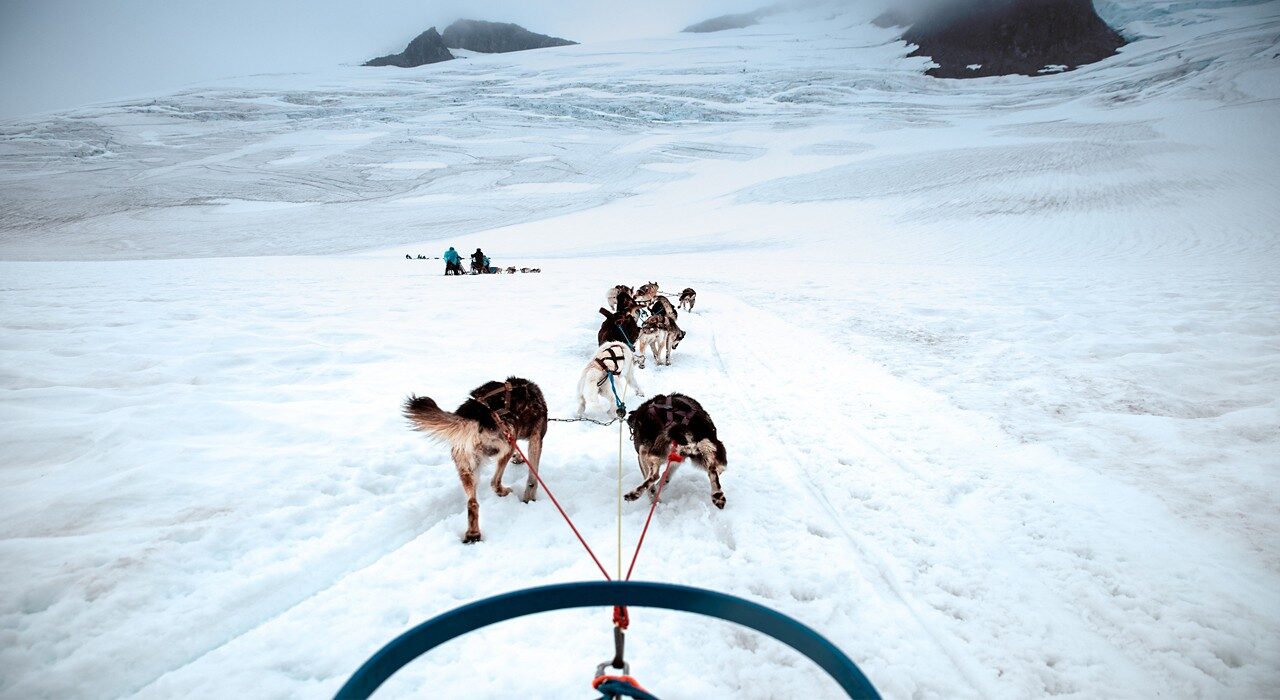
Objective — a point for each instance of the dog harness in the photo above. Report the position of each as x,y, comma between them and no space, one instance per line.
502,411
672,411
604,362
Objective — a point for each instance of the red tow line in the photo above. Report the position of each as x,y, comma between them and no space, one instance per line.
511,439
620,616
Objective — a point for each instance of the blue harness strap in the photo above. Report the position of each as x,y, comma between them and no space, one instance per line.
529,601
617,400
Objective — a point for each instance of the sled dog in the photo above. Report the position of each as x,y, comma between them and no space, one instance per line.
660,335
619,325
662,307
613,360
478,430
675,424
646,293
611,296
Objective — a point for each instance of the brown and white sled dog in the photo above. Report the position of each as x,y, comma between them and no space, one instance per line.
646,293
613,359
677,424
660,335
479,429
687,298
663,306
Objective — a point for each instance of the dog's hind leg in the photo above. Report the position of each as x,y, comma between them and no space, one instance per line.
709,456
466,462
582,397
496,482
650,468
631,379
535,461
671,471
717,493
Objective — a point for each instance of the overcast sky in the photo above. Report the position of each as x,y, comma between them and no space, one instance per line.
57,54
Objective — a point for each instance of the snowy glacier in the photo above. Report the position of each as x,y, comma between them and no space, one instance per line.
997,363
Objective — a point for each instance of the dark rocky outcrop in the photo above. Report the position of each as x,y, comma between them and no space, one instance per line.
723,22
893,17
497,37
1003,37
428,47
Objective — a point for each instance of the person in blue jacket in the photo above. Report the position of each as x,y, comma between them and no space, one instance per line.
487,268
452,262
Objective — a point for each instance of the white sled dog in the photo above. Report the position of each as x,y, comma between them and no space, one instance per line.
612,359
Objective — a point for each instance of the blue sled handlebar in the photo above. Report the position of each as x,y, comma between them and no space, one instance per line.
473,616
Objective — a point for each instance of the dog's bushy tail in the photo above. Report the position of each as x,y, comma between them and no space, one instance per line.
426,416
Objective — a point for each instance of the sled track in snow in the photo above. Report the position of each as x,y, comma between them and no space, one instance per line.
802,478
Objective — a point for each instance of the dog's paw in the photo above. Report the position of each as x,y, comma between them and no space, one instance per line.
502,491
471,537
517,459
632,496
718,499
529,498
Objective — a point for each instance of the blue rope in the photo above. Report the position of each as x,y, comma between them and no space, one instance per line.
622,407
599,594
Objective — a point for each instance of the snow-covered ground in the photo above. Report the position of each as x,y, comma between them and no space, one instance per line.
996,362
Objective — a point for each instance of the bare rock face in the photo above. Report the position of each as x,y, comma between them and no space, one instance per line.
978,38
723,22
497,37
428,47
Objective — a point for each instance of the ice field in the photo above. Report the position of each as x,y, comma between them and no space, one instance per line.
997,364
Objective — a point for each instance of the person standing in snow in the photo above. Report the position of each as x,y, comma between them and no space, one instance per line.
487,269
452,262
477,261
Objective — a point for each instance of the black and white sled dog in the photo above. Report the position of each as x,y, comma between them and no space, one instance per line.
478,430
659,335
611,297
613,359
675,424
687,298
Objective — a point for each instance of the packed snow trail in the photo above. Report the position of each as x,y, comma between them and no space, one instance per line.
944,559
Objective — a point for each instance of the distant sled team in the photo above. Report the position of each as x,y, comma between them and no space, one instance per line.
671,427
480,264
